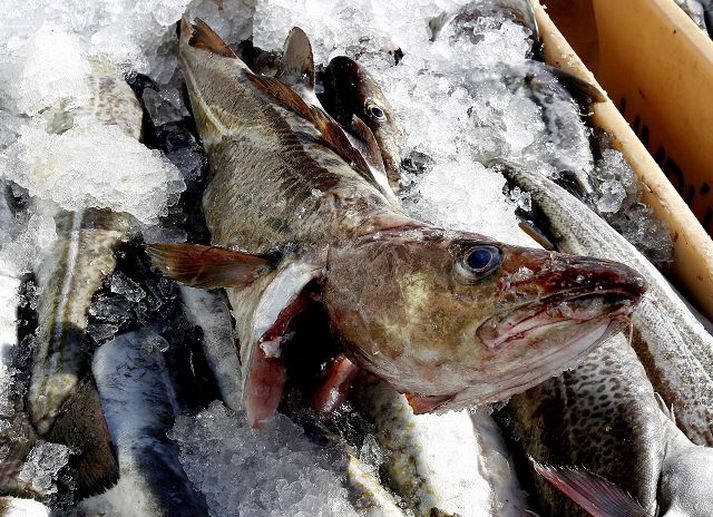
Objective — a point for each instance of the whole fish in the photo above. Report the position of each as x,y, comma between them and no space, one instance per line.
62,400
673,346
349,92
139,402
295,213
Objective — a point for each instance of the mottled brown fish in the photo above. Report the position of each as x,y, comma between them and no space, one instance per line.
673,346
62,401
454,319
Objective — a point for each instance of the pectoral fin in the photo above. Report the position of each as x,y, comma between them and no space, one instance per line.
208,267
596,495
422,405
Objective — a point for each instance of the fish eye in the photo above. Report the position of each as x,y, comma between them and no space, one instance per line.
375,111
479,261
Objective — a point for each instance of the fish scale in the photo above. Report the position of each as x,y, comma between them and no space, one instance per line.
673,346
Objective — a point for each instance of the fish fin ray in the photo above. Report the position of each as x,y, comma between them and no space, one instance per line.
336,139
208,267
202,36
282,94
297,65
373,153
421,404
596,495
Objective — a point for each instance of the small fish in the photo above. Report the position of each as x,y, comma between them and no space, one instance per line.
296,214
139,402
673,346
62,400
349,92
519,11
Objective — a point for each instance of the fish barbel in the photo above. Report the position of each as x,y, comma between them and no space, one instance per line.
454,319
673,346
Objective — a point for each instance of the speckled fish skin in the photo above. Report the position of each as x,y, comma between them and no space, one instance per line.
602,416
62,400
673,346
396,290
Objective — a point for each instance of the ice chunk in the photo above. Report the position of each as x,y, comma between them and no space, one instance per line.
97,166
125,286
466,197
272,471
43,466
618,197
54,71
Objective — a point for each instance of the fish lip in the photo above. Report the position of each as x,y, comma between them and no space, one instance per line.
625,297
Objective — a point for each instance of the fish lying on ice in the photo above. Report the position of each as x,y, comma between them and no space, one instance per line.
605,419
295,213
355,99
519,11
139,402
62,399
446,463
673,346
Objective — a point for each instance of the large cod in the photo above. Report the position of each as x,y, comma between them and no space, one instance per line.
296,213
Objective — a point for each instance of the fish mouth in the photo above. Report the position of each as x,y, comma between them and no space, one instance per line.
575,305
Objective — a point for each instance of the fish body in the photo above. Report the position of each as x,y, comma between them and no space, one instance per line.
62,400
139,402
601,416
295,213
444,463
673,346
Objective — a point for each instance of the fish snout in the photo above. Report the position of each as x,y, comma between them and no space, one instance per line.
583,276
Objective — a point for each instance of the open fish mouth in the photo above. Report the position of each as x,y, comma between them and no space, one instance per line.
577,306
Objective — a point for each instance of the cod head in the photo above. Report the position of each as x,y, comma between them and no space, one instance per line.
456,319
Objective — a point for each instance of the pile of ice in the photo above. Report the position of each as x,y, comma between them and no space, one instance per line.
273,471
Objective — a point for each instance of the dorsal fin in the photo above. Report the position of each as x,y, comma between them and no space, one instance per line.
371,146
297,65
202,36
334,137
281,94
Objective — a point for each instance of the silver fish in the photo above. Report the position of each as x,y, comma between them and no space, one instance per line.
673,346
295,214
139,402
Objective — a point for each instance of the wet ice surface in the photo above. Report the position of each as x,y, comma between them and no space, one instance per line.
272,471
